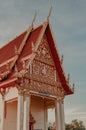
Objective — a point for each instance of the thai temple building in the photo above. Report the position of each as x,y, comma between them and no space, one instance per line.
32,80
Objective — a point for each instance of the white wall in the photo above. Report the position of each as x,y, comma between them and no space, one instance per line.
12,93
11,108
37,111
11,116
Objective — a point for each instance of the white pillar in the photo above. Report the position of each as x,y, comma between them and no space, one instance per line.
57,116
62,115
45,117
20,113
26,111
2,113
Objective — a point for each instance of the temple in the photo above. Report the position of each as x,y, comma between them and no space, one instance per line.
32,80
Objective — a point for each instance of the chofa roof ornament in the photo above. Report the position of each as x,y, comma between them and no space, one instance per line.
49,14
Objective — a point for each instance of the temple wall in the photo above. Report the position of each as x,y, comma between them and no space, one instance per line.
37,111
11,116
12,93
10,119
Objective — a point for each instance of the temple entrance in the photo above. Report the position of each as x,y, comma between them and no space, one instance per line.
31,123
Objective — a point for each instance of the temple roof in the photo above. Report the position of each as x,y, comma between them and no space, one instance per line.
22,47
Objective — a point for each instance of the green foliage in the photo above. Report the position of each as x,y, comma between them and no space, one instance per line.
75,125
49,128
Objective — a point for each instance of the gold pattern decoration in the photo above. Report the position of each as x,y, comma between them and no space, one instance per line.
45,88
44,53
24,82
33,47
43,70
4,72
23,91
44,58
26,92
60,99
25,64
41,75
44,80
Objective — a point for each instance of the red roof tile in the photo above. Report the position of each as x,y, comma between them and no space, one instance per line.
27,50
8,51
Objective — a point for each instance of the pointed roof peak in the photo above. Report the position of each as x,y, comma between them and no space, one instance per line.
34,18
49,14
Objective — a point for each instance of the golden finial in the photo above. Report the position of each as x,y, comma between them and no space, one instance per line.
49,13
68,78
24,64
8,66
33,47
73,86
0,76
62,58
34,18
16,50
16,70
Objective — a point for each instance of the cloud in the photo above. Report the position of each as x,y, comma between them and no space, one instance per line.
75,113
68,20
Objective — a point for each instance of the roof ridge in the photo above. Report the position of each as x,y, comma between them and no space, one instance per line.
20,49
45,23
23,42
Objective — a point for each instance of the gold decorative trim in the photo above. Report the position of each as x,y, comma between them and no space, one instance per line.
8,61
60,99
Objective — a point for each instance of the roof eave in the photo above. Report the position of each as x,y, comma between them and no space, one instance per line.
56,57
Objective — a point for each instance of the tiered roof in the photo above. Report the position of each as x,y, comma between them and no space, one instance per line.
24,46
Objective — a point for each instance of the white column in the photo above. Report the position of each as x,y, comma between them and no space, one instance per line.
26,111
45,118
62,115
2,113
20,113
57,116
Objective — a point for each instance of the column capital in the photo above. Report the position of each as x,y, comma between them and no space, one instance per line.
23,91
60,99
20,90
26,92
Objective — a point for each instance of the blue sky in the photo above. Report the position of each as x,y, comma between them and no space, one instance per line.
68,21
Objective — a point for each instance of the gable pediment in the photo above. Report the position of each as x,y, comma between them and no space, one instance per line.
44,53
44,77
39,57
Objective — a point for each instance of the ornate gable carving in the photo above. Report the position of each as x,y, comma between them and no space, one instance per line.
44,53
42,72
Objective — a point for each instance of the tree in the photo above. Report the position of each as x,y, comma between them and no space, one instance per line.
75,125
68,126
50,126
